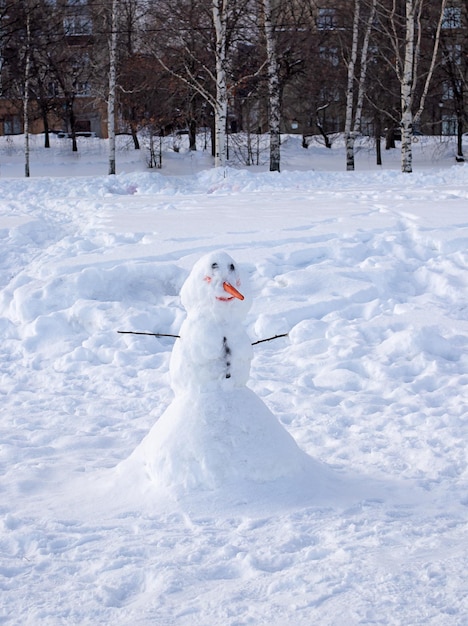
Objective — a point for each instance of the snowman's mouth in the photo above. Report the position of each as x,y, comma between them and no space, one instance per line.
232,291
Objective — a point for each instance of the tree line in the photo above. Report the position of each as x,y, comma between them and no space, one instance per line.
385,68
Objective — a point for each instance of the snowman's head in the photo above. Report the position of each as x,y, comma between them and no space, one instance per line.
216,285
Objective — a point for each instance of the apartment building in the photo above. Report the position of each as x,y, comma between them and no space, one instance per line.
68,69
63,81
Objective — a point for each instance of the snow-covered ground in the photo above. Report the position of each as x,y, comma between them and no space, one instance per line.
366,271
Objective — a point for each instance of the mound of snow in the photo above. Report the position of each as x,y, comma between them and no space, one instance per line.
213,439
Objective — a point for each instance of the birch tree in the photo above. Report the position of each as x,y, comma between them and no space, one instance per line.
220,16
274,114
196,47
112,84
349,135
193,47
407,69
364,61
27,77
354,113
407,86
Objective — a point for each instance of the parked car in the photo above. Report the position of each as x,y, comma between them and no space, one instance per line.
79,133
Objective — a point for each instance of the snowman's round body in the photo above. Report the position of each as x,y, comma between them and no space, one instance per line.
209,355
216,430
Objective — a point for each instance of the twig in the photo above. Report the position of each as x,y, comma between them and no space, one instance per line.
134,332
269,339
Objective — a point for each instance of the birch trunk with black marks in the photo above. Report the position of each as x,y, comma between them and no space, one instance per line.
27,71
407,90
221,101
112,86
274,116
349,131
364,63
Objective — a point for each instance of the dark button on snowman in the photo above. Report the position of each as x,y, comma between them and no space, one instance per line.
216,431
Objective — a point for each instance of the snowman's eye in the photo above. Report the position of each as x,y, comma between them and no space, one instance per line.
231,267
214,266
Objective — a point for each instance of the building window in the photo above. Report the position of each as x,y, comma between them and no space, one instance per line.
452,17
82,88
367,126
326,19
449,124
79,63
453,54
330,54
450,89
53,89
12,125
447,90
77,25
329,94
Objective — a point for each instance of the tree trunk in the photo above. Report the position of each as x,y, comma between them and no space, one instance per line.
72,124
220,108
26,94
378,141
407,92
112,84
364,64
460,158
274,117
45,121
136,143
319,125
192,127
389,138
349,134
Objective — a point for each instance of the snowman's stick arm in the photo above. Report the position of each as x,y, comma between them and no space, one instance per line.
269,339
135,332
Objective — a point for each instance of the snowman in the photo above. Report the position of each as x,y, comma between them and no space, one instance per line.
216,431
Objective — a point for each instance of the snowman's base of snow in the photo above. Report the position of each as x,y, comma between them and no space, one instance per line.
214,438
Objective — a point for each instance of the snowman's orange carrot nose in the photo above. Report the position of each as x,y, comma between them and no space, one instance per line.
233,291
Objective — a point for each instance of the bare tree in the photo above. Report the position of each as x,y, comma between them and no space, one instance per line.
405,31
454,75
319,86
196,46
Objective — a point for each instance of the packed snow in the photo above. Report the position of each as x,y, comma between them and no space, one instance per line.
324,481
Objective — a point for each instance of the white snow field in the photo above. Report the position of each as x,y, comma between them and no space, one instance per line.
366,271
